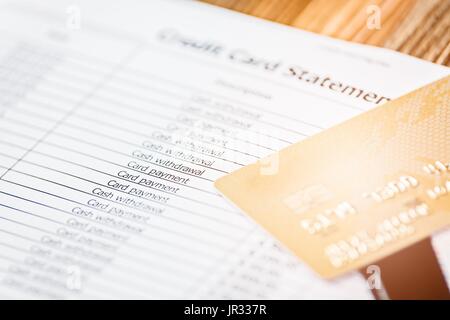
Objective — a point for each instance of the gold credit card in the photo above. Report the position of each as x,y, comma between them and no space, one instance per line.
359,191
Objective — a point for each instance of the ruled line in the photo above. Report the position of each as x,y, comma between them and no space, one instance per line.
114,279
71,111
109,200
143,262
99,96
114,176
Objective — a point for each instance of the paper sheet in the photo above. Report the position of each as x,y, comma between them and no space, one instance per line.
116,117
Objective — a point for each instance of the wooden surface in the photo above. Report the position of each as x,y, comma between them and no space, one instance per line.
417,27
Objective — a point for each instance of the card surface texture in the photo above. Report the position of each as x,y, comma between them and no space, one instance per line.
359,191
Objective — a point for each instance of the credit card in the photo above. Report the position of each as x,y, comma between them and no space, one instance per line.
359,191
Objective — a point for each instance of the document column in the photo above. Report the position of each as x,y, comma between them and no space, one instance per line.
41,254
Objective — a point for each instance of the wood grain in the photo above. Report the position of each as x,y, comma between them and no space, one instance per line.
417,27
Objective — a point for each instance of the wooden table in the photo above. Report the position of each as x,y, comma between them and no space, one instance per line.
417,27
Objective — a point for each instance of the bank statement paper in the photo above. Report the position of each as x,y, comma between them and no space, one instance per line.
116,117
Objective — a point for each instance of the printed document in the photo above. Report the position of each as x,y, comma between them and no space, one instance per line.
116,118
